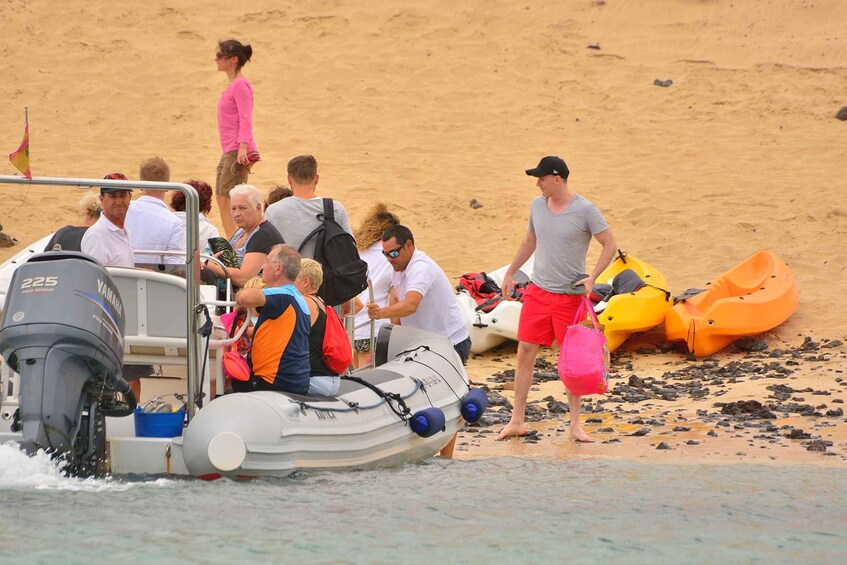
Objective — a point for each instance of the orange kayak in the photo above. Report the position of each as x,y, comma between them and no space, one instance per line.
749,299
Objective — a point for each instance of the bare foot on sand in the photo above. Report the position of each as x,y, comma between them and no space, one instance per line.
512,430
578,435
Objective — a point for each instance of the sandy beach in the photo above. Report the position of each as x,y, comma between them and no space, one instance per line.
427,105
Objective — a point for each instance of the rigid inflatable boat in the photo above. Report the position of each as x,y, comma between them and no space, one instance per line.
69,328
751,298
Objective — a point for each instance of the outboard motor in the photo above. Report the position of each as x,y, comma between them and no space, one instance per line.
62,332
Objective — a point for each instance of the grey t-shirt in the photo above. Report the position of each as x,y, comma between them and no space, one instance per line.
295,218
562,241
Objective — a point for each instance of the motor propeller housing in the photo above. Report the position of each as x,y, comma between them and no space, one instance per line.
62,331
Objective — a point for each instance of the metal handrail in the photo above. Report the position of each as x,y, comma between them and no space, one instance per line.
192,272
228,301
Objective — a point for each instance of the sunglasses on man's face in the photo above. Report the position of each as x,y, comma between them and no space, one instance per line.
394,253
219,56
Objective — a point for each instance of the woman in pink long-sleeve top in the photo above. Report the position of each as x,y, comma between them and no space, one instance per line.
235,126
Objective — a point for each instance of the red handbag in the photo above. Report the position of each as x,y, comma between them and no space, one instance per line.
337,353
235,365
584,356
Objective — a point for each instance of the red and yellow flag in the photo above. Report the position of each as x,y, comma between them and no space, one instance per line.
20,158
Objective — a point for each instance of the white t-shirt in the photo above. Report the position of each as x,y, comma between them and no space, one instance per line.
152,226
108,243
206,229
379,271
438,311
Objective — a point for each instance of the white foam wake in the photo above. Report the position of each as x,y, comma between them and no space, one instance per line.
20,471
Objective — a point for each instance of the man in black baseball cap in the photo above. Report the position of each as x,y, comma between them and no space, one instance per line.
114,176
561,226
550,165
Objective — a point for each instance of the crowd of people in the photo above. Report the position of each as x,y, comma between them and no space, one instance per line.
270,241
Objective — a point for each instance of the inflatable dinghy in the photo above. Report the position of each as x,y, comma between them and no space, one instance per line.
70,327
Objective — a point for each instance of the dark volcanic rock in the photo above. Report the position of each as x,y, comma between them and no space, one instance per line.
835,413
751,344
781,392
634,381
545,376
809,345
816,445
798,434
641,432
496,399
663,445
557,407
751,408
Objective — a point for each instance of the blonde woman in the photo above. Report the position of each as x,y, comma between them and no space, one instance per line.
69,237
369,241
323,381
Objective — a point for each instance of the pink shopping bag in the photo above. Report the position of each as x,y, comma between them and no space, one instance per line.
584,356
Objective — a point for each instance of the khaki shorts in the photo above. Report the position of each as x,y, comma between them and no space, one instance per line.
230,173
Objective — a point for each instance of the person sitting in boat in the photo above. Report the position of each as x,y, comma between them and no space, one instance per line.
253,239
279,355
324,381
152,226
424,294
107,239
207,229
279,193
69,238
369,242
108,242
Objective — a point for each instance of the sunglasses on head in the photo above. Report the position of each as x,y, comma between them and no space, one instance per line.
394,253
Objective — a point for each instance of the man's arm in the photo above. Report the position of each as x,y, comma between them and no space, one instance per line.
525,250
251,297
607,240
406,307
393,299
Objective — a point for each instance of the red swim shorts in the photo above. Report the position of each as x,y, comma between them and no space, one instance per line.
546,315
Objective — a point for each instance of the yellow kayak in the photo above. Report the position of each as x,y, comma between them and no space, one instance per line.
631,312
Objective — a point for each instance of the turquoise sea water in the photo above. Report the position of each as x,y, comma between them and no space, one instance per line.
503,510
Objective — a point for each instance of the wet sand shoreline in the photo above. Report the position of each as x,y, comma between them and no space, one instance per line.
766,406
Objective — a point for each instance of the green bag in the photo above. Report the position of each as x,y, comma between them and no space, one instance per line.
228,257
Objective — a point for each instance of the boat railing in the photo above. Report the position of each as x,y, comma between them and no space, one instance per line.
192,262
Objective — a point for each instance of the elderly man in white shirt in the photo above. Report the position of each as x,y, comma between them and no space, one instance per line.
107,240
151,224
425,297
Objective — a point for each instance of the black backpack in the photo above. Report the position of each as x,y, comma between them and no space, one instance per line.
345,273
